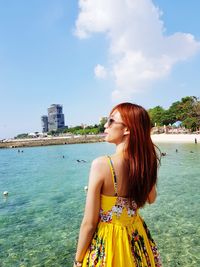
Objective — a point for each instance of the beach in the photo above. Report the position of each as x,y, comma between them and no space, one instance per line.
175,138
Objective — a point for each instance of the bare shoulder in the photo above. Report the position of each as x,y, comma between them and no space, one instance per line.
97,170
99,164
100,161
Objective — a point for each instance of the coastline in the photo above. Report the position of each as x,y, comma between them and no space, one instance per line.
175,138
48,141
157,138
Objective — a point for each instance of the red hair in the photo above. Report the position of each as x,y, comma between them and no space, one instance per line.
140,153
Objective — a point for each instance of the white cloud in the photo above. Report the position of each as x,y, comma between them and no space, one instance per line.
100,71
140,51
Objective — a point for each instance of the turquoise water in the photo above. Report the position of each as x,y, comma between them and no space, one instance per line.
40,219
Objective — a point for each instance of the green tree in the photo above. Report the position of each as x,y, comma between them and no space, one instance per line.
187,107
156,115
52,133
101,124
174,112
167,118
197,113
20,136
190,123
190,112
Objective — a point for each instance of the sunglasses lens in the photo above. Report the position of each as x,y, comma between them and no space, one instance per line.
110,121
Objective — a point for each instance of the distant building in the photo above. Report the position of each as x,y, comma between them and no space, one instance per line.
44,122
56,118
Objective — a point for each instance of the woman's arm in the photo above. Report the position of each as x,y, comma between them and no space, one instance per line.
92,207
152,195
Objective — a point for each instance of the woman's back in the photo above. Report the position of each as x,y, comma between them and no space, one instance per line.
122,237
121,171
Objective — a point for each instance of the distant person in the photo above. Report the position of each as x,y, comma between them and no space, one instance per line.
195,141
80,160
176,150
112,233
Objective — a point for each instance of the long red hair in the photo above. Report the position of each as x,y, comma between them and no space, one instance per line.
140,152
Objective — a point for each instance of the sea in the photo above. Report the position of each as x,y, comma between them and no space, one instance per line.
41,215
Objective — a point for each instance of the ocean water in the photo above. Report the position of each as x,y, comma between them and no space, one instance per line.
40,218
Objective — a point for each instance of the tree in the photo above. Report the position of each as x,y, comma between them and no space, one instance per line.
20,136
190,123
53,133
174,112
101,124
187,107
197,113
187,110
190,112
167,118
156,115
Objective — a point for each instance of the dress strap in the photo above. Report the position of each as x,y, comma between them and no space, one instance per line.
114,177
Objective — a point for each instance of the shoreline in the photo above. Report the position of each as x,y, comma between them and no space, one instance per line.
157,138
17,143
175,138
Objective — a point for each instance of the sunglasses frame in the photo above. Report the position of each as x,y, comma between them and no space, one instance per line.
111,121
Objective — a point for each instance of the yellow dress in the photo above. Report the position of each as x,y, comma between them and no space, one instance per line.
122,238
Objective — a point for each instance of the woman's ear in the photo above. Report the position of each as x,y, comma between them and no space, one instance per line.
126,132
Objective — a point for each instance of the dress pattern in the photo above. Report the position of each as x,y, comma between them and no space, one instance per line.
122,238
121,203
97,251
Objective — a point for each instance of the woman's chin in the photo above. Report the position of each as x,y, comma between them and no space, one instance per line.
109,140
106,138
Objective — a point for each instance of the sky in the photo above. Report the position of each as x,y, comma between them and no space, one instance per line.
90,55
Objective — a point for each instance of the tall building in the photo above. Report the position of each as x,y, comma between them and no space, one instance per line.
56,118
44,121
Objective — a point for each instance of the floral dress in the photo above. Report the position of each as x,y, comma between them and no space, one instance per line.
122,238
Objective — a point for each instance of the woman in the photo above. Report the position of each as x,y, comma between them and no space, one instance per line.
112,233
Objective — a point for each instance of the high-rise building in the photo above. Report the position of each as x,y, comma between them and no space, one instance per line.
44,121
56,118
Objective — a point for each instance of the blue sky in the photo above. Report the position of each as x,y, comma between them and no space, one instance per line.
92,54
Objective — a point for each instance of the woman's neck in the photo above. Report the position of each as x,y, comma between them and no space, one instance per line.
120,148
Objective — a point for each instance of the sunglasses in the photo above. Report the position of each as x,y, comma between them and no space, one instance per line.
111,121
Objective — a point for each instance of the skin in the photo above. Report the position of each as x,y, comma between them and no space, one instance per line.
100,182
